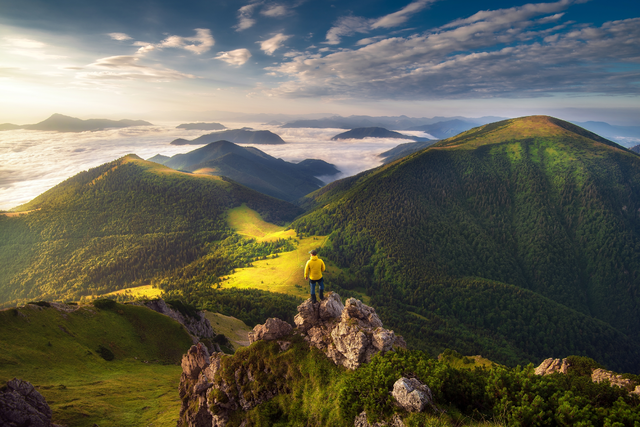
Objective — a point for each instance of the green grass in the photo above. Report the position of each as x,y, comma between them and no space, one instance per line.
234,329
57,352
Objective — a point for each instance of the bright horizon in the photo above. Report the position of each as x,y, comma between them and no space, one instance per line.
158,61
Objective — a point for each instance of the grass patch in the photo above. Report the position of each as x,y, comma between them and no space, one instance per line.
248,223
59,352
234,329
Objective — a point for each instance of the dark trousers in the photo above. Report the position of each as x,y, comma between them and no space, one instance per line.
312,285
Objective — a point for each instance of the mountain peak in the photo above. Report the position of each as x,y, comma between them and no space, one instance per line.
521,128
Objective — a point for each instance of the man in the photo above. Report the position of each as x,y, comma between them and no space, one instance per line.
313,272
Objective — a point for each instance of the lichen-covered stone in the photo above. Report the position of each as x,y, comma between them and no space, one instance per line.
412,395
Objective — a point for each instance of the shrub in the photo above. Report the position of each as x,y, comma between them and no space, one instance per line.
105,353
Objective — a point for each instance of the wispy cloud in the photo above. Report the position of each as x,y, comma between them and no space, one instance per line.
245,19
235,57
347,26
30,48
128,67
401,16
275,11
119,36
271,45
497,53
350,25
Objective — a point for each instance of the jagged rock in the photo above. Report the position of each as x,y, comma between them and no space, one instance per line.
22,405
196,359
361,421
637,390
550,366
412,395
199,327
348,334
311,315
273,329
600,375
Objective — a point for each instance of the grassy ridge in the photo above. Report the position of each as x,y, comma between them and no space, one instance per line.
58,352
529,204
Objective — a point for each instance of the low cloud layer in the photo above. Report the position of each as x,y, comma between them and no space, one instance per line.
34,162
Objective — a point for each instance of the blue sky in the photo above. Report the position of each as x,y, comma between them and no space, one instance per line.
151,59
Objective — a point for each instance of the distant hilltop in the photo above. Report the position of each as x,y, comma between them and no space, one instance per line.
375,132
62,123
201,126
238,136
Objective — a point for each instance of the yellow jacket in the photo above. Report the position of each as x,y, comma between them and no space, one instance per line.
314,268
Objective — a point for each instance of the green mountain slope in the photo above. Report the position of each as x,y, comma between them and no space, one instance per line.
253,168
125,223
59,351
520,237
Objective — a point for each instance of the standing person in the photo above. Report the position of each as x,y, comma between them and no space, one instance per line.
313,272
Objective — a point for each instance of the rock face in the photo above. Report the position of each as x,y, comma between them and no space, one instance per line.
198,327
550,366
348,334
412,395
273,329
210,388
22,405
600,375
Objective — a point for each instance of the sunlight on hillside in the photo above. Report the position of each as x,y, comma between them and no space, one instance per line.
282,273
249,223
146,291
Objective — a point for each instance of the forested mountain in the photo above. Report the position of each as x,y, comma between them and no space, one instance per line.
125,223
253,168
519,240
239,136
374,132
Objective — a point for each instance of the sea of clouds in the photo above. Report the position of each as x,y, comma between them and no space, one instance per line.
35,161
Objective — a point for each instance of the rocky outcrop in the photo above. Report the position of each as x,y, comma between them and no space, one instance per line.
22,405
349,334
273,329
412,395
199,327
550,366
362,421
213,386
600,375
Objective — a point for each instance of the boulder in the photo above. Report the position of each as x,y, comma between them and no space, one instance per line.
311,315
412,395
22,405
551,366
273,329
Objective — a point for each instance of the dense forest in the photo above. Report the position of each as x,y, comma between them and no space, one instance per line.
524,233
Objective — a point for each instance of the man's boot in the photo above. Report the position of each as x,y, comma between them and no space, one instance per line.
322,295
313,298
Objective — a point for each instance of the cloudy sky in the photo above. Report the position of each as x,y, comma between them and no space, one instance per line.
154,59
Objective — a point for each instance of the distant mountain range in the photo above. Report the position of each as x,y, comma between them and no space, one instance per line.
253,168
393,122
201,126
239,136
404,150
61,123
375,132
